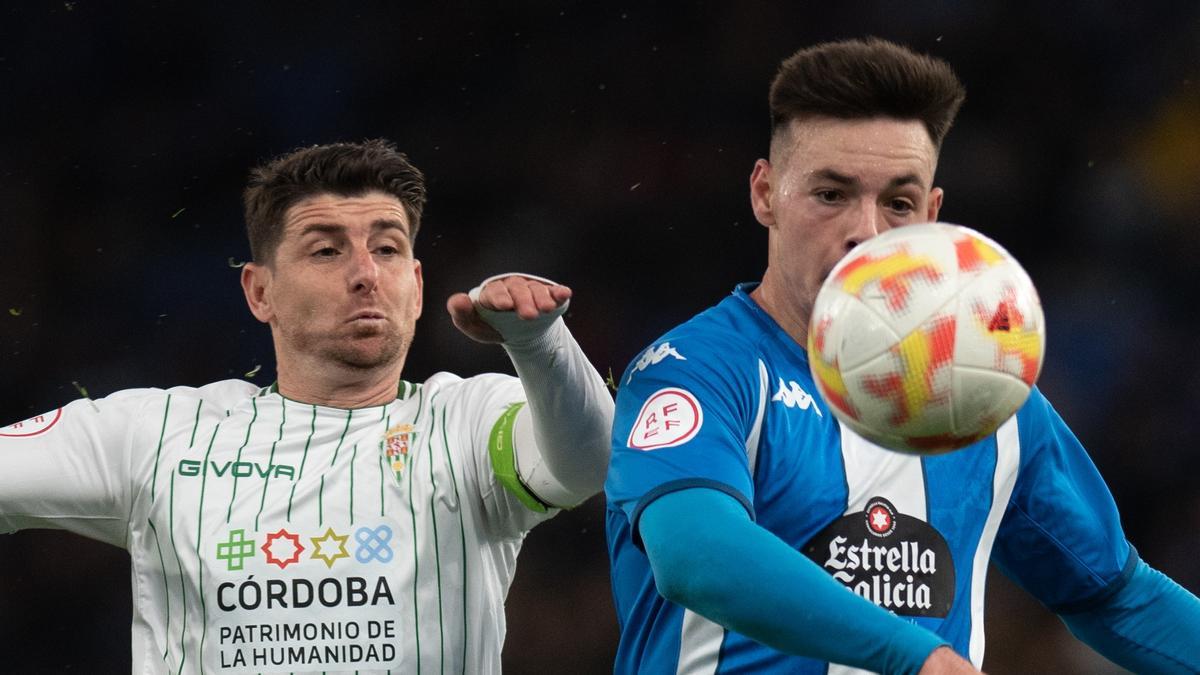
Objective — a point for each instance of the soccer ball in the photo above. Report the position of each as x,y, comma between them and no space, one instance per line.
926,338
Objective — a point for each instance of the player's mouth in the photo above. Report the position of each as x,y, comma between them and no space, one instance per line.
367,317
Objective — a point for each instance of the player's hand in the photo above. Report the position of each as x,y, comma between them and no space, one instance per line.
944,661
529,299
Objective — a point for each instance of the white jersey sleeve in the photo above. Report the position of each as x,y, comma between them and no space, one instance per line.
491,407
78,468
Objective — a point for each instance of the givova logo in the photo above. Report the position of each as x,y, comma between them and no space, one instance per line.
894,560
192,467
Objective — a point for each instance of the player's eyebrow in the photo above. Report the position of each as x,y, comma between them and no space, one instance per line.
390,224
835,176
906,179
853,181
335,228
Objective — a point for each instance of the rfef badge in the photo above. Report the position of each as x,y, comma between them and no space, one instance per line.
395,446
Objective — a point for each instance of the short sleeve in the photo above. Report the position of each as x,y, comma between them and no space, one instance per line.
71,468
1061,537
489,407
684,411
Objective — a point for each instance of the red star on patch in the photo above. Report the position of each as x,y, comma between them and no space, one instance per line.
269,548
880,519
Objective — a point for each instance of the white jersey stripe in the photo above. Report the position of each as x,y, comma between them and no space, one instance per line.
182,578
871,469
304,459
238,458
199,531
1008,458
700,639
262,500
462,532
699,645
437,552
756,428
158,451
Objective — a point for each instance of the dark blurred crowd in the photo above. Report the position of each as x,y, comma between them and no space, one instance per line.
605,146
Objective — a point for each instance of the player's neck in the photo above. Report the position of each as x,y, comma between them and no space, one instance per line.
773,300
336,386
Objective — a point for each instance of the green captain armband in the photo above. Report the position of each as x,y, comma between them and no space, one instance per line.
503,453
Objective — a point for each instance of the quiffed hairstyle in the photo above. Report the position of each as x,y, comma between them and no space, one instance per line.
344,169
861,79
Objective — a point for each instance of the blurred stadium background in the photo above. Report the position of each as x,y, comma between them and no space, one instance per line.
604,145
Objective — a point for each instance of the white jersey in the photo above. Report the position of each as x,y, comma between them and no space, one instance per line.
268,535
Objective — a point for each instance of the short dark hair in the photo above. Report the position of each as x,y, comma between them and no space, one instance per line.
345,169
860,79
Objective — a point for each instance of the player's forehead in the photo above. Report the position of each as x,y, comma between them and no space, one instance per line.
325,211
873,151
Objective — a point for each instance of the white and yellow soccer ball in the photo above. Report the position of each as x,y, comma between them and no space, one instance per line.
926,338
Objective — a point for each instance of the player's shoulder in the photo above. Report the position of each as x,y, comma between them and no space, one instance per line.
1040,426
447,387
728,336
1036,414
223,393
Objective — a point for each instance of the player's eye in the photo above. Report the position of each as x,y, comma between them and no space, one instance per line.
828,196
325,252
388,250
903,206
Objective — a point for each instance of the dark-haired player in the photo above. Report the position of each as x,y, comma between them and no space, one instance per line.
750,533
342,519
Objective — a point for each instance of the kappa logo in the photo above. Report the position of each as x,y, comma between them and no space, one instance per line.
792,396
654,355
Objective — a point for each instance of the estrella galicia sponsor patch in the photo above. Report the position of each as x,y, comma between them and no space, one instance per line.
38,424
896,561
669,417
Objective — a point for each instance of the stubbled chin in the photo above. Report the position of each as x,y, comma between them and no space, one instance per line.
368,351
366,331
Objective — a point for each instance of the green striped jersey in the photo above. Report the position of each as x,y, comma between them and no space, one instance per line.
268,535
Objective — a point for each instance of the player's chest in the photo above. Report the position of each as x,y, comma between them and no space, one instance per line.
811,473
307,484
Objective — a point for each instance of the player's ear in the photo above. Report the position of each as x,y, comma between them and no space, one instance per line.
419,300
256,285
760,192
935,204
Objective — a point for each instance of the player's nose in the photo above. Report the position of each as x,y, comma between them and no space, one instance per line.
865,222
363,272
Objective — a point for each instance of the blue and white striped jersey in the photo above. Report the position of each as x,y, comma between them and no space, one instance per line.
726,401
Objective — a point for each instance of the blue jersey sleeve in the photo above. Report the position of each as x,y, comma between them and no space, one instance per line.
773,580
1061,537
1150,625
684,410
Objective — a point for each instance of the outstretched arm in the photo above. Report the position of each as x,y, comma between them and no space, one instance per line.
707,555
1150,625
562,438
